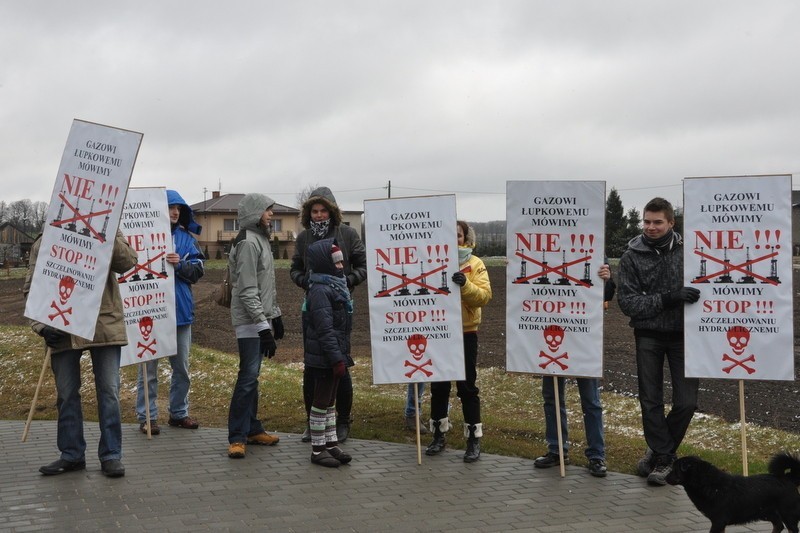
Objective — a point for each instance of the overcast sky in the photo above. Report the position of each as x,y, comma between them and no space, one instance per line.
434,96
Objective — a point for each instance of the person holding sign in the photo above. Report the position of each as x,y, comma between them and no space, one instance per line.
256,318
322,219
652,294
473,281
105,351
327,323
187,261
589,392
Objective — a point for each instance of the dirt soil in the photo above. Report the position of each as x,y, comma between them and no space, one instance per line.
768,403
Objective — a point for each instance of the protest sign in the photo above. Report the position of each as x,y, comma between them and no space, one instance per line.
80,225
738,253
554,297
415,308
148,289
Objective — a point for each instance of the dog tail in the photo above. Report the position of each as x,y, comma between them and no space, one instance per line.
783,462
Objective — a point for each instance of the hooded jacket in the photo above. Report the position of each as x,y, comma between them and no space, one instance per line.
190,268
644,274
355,255
253,292
110,326
477,291
327,321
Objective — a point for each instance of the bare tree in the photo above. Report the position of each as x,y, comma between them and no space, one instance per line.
39,216
304,194
20,214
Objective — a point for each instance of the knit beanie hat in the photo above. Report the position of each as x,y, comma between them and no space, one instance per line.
336,254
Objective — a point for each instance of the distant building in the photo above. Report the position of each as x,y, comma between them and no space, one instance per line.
15,245
219,217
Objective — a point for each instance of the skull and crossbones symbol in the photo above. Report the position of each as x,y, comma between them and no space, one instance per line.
146,329
553,337
65,288
738,338
417,344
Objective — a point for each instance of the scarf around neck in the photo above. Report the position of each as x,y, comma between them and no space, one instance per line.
464,253
338,284
663,243
320,229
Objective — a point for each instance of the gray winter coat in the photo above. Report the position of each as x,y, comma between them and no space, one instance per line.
253,292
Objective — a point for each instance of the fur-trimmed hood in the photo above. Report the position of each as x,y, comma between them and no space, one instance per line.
469,238
324,196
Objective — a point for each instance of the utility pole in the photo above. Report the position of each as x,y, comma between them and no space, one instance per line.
389,188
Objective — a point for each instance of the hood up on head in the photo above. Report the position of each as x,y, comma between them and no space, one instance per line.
319,259
324,196
251,207
186,217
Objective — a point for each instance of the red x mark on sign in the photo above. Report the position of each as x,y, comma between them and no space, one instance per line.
83,218
406,281
546,269
143,266
730,267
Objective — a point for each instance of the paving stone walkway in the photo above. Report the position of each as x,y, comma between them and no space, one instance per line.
182,480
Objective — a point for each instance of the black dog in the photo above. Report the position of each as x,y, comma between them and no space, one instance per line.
727,499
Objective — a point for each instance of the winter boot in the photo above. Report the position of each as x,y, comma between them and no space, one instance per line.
473,434
342,428
411,424
306,436
439,428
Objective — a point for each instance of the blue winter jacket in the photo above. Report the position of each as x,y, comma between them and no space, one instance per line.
190,269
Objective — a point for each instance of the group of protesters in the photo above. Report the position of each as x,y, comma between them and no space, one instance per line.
328,263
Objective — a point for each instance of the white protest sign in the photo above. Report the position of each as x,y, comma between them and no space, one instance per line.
82,220
738,252
554,297
415,308
148,289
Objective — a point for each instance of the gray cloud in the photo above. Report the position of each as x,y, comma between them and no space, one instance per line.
434,96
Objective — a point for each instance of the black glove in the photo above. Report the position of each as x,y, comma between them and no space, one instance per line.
459,278
684,294
277,328
268,345
52,336
339,369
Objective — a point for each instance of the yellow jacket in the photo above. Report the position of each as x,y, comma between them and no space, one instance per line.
475,293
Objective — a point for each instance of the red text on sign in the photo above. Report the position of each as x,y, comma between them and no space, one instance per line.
539,242
80,187
719,239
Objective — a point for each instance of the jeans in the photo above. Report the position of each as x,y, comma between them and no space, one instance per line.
411,409
179,384
66,367
664,433
467,390
242,416
588,389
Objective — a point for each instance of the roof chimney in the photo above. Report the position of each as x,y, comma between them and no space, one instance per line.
214,194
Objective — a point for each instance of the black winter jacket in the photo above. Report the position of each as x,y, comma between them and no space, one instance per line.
644,275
